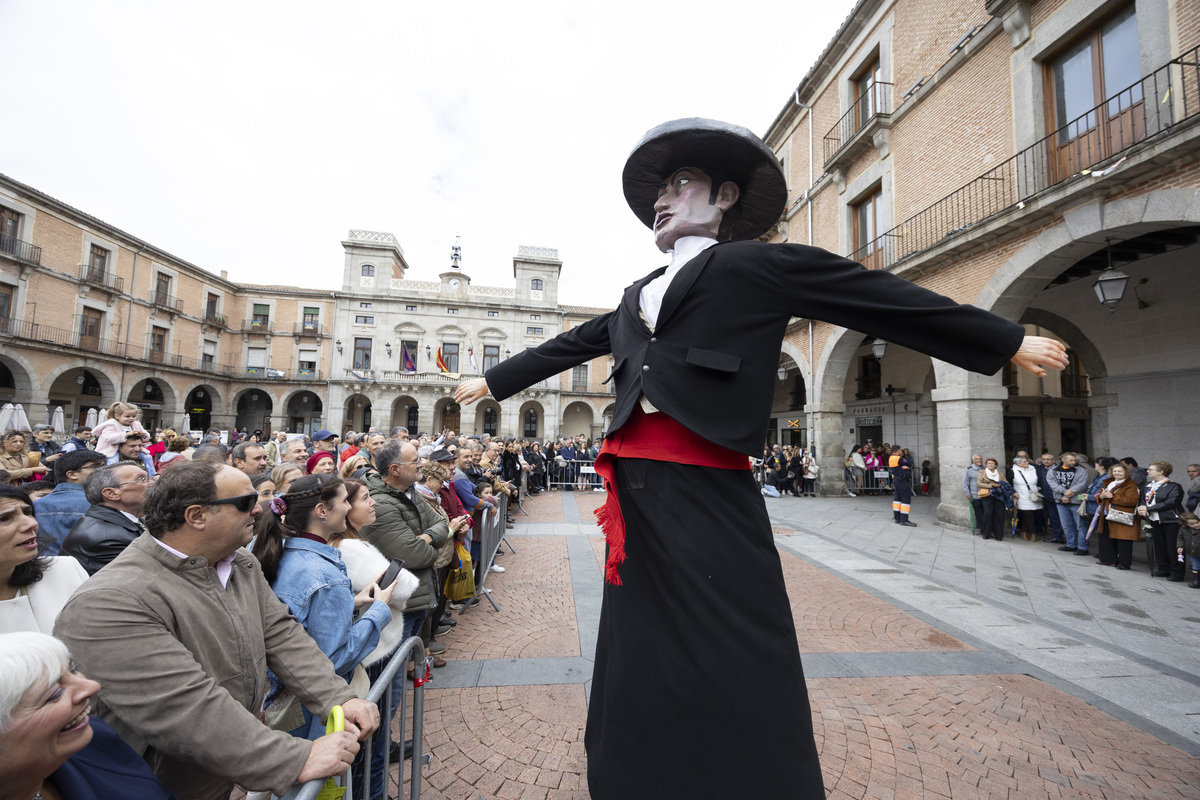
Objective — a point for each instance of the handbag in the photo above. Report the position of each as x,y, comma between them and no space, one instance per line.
460,583
1118,516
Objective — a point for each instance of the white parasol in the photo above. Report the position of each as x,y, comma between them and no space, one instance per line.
91,418
58,420
6,415
20,422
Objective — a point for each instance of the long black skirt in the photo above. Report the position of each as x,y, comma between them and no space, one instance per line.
698,691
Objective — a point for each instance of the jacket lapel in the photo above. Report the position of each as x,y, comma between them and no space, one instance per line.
681,284
630,302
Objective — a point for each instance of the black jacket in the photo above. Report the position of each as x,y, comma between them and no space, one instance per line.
711,362
99,537
1168,501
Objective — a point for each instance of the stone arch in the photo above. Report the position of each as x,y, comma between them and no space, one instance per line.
577,418
488,411
401,414
23,375
606,416
298,416
793,352
109,382
253,407
356,413
215,398
163,396
1082,232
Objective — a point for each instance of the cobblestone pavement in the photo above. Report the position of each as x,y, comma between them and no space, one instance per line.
938,665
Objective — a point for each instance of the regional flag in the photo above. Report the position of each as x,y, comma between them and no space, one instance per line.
407,362
471,353
441,362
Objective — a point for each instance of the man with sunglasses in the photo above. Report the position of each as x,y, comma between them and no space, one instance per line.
116,493
180,629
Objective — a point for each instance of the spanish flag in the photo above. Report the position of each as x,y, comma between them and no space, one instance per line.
441,362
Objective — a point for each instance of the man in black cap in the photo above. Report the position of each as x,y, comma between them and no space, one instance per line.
690,584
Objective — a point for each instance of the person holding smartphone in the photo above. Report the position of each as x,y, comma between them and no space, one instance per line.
308,575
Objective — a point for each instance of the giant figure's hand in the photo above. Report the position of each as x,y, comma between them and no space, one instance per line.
470,391
1038,351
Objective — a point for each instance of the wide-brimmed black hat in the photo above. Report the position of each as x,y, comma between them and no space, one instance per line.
733,152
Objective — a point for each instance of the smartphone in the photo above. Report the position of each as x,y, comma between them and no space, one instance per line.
393,570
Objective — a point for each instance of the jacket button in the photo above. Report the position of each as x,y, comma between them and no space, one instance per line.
653,339
645,368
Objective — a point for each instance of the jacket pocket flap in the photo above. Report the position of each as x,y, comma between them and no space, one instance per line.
613,374
722,362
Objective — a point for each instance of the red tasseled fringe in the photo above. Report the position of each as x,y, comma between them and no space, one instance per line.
612,523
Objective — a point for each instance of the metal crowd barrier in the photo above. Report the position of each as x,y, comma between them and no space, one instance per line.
413,648
491,533
578,475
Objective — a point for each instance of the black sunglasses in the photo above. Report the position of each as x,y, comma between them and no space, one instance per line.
242,503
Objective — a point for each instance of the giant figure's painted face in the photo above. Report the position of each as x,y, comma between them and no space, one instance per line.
686,207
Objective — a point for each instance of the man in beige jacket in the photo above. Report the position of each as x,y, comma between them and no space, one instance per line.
179,630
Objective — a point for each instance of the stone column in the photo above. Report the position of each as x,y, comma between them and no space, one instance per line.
970,419
1099,401
827,434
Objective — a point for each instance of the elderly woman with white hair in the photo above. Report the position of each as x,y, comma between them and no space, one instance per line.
50,746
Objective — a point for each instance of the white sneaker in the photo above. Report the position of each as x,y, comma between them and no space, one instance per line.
495,568
852,494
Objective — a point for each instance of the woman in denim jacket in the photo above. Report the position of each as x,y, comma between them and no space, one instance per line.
309,576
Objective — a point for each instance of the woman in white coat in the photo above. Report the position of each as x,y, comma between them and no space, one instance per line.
32,590
1029,499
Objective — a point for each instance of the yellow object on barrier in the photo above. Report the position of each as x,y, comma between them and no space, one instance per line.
336,723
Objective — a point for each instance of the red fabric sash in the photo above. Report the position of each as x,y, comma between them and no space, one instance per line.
659,438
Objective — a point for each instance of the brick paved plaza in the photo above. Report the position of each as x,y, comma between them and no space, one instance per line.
938,665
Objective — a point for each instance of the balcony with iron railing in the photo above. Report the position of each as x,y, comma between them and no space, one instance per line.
308,329
258,325
1074,385
14,248
213,318
97,276
869,115
167,301
1152,108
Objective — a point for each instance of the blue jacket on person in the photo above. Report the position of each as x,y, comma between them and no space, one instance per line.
73,444
107,768
56,514
313,583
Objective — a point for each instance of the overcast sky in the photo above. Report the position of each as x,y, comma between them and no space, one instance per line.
252,136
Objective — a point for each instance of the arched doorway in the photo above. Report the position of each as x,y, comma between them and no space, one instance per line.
577,419
303,412
405,414
487,418
254,411
356,415
532,417
78,391
150,396
450,417
197,407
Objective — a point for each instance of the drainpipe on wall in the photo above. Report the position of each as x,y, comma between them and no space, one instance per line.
129,320
812,430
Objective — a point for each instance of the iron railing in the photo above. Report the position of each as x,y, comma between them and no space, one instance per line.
258,325
1148,108
97,276
22,251
167,301
213,318
308,329
308,374
1074,385
874,103
74,339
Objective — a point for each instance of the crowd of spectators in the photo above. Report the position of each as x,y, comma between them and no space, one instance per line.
1072,500
222,594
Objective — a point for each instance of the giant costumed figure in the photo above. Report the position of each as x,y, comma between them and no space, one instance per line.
692,577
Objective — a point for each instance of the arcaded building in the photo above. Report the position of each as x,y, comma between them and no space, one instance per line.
1030,158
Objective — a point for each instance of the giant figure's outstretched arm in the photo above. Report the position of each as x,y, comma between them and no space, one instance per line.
568,349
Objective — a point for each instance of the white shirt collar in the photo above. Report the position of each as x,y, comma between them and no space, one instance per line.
651,297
